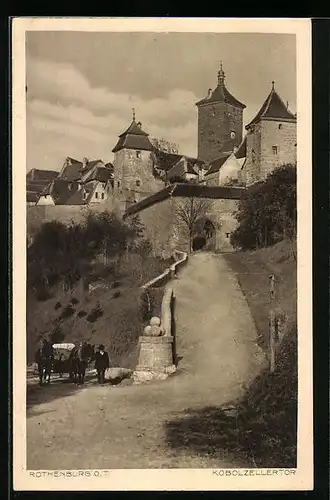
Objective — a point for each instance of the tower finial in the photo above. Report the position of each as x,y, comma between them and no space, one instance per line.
221,75
273,85
133,114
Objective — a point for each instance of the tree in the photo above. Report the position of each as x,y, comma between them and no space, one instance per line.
267,211
188,211
164,145
107,234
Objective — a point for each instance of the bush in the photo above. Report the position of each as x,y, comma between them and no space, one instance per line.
67,312
267,211
116,295
57,335
115,284
74,301
81,314
57,305
95,314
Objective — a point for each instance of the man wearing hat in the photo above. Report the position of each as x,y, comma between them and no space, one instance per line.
101,364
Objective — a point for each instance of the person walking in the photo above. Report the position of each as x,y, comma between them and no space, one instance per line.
101,363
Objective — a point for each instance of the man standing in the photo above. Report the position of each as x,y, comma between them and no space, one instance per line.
101,364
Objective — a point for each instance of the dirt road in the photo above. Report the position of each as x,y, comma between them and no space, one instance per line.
129,427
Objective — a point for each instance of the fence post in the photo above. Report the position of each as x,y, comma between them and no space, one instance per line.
272,326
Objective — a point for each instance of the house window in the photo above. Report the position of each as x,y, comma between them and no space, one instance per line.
280,126
227,235
275,151
138,154
84,195
102,196
138,182
96,194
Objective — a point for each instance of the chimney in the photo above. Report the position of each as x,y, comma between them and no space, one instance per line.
209,93
84,163
139,124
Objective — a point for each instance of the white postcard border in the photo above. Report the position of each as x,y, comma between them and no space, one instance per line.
173,479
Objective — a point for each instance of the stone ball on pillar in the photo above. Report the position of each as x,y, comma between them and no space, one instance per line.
153,331
155,321
146,331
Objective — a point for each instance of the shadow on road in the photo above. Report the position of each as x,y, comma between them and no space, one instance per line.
260,430
58,388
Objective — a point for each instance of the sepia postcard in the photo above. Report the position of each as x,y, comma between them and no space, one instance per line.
162,249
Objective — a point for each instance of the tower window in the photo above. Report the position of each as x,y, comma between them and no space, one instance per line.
275,150
118,183
138,154
227,235
280,126
138,182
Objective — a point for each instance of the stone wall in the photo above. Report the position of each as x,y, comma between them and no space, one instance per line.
133,171
216,121
158,219
282,135
167,233
252,165
261,159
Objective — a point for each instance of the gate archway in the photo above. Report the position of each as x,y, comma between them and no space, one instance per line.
204,235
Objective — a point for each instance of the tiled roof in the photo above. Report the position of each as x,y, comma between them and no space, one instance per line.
61,190
31,196
73,169
217,164
241,151
133,138
221,94
182,167
273,108
186,190
102,174
37,186
41,175
165,161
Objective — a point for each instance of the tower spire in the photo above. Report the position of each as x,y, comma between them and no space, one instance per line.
273,85
221,75
133,109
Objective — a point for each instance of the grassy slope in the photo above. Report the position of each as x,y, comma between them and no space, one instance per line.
118,327
270,406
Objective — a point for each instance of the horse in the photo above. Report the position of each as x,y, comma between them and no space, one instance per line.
79,359
44,357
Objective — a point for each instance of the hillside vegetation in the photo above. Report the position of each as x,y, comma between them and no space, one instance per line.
83,284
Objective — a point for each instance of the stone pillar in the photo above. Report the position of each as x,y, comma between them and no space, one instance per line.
155,359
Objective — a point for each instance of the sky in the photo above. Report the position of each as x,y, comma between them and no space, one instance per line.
82,86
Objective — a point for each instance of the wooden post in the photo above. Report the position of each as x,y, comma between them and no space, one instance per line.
272,326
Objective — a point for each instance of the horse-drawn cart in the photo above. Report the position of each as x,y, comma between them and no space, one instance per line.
72,360
63,354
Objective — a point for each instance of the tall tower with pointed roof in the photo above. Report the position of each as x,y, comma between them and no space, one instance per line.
220,121
271,138
133,166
